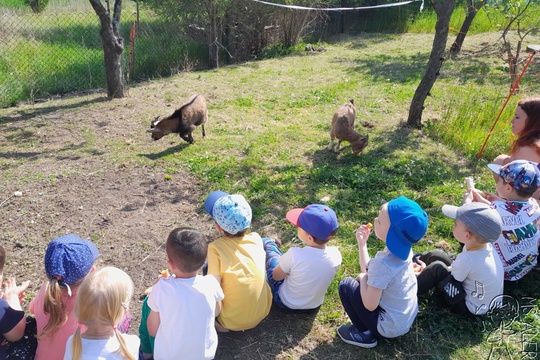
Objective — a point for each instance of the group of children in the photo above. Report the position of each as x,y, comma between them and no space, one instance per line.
230,283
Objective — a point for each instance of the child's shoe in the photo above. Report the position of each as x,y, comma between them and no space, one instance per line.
351,335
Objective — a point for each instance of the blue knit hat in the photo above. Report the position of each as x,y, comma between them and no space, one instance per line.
69,258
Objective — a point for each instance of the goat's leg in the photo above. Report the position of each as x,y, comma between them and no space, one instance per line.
336,150
190,139
203,132
330,146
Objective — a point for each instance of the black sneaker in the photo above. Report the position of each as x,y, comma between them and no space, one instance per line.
351,335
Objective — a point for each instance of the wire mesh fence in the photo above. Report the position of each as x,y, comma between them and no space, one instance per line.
60,50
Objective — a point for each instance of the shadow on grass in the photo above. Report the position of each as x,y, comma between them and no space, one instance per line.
276,334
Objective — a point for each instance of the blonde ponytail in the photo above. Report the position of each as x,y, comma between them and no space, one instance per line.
54,306
124,351
76,345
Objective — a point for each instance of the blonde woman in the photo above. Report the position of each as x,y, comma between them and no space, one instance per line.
103,300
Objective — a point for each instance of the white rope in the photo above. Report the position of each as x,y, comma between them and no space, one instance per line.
342,9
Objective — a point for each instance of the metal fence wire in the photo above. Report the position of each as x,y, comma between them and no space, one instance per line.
59,50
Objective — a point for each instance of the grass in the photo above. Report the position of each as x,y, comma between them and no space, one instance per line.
268,130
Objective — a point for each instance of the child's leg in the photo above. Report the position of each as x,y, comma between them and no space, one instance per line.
147,341
272,260
362,318
436,255
431,276
25,348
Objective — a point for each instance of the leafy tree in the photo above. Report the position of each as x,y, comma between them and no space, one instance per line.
443,9
113,46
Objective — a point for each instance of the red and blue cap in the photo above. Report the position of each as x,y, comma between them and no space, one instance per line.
408,224
317,220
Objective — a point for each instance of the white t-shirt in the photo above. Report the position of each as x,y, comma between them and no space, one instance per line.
310,271
517,246
482,276
399,304
186,311
104,349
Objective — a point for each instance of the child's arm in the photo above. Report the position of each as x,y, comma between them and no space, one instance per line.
279,274
371,296
362,235
153,322
13,295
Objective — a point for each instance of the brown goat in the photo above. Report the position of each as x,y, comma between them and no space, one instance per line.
183,121
343,129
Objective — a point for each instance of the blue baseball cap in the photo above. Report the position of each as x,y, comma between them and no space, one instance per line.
317,220
69,258
408,224
520,174
231,212
211,200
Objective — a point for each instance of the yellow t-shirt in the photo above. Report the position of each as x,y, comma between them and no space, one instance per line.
240,262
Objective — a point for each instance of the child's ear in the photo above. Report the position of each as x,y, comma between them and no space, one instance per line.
218,228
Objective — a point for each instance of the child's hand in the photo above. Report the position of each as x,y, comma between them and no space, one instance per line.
12,291
483,196
362,234
418,266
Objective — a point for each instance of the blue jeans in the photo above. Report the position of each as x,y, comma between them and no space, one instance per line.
272,255
362,318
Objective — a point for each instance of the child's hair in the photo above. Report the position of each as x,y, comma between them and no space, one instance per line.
103,298
322,242
68,260
241,233
187,249
2,258
531,132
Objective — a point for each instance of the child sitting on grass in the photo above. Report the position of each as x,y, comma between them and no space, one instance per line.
300,277
237,261
68,259
517,245
381,301
471,282
185,304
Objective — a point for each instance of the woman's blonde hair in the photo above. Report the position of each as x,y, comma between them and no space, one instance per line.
103,297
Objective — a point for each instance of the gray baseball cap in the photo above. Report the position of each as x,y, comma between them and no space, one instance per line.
480,218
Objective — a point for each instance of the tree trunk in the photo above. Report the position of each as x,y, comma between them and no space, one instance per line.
472,10
443,10
113,46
